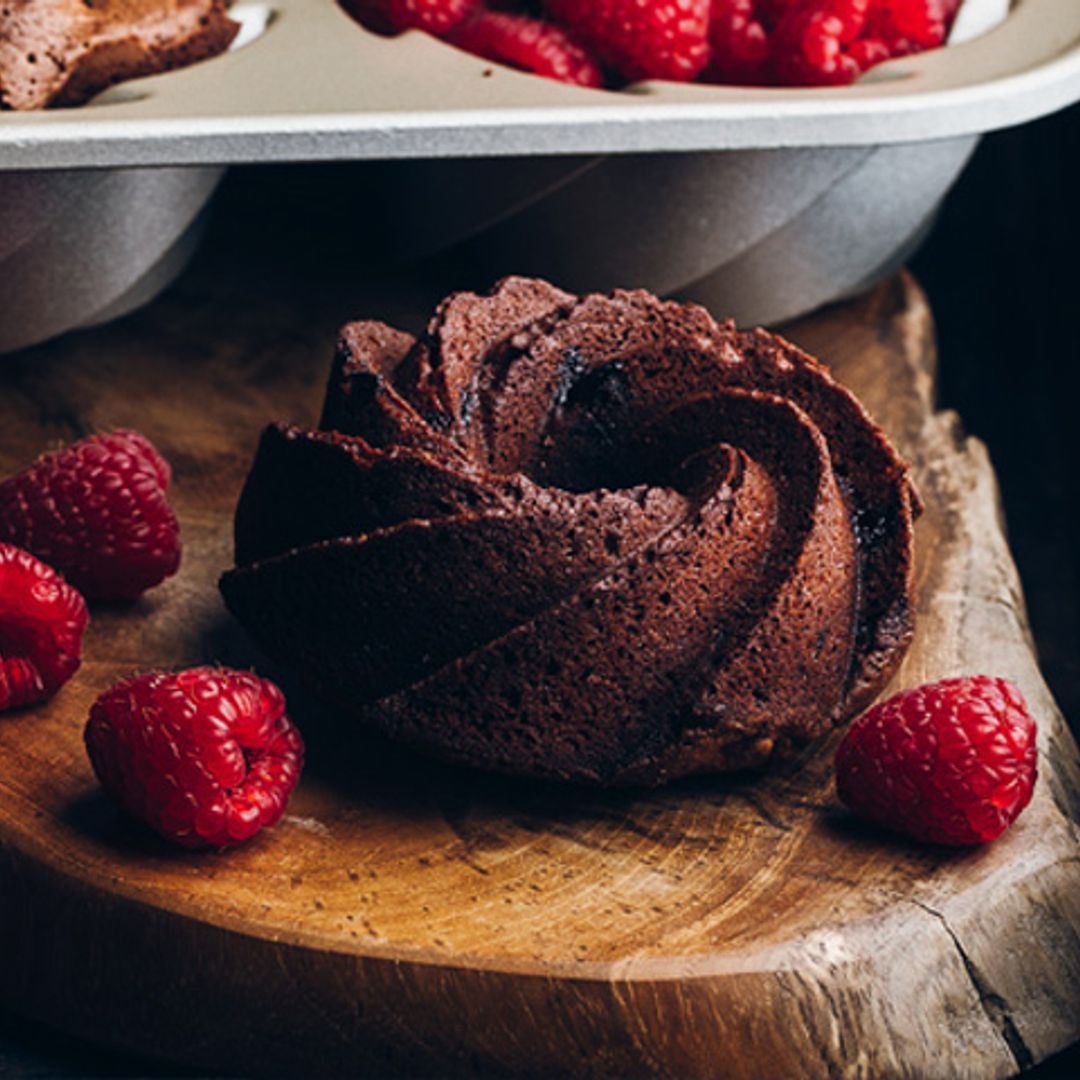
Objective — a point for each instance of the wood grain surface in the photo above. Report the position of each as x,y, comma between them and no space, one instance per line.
410,917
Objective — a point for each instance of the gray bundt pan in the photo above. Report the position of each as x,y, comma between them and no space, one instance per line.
80,247
757,235
760,203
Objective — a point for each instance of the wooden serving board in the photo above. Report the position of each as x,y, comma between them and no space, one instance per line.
410,917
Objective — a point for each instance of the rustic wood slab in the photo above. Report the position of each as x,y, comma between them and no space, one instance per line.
411,917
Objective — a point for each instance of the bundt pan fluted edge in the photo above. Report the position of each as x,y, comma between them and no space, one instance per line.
600,539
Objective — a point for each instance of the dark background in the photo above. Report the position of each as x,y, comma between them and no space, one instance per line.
1002,273
1003,276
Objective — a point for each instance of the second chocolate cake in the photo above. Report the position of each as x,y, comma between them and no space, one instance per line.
62,52
601,539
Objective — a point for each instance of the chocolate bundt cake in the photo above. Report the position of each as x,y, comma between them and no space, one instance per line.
600,539
62,52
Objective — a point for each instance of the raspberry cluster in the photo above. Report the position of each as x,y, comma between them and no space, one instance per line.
206,757
614,42
89,520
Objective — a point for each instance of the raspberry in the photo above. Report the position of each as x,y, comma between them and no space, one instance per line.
818,42
42,620
741,51
529,45
749,42
907,26
641,39
206,757
96,511
950,763
437,17
812,41
866,52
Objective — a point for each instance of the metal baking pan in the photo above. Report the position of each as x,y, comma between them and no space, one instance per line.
317,87
778,200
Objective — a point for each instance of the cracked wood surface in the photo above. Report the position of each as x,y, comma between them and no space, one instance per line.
414,918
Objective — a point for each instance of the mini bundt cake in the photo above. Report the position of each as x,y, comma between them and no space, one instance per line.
599,539
62,52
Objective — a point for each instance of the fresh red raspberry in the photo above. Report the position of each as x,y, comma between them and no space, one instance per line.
818,42
42,620
437,17
641,39
949,763
813,40
907,26
529,45
97,512
739,36
866,52
207,757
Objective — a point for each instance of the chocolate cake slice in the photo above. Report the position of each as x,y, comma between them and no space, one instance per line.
62,52
601,539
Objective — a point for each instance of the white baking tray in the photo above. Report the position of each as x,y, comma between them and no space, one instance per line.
318,87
